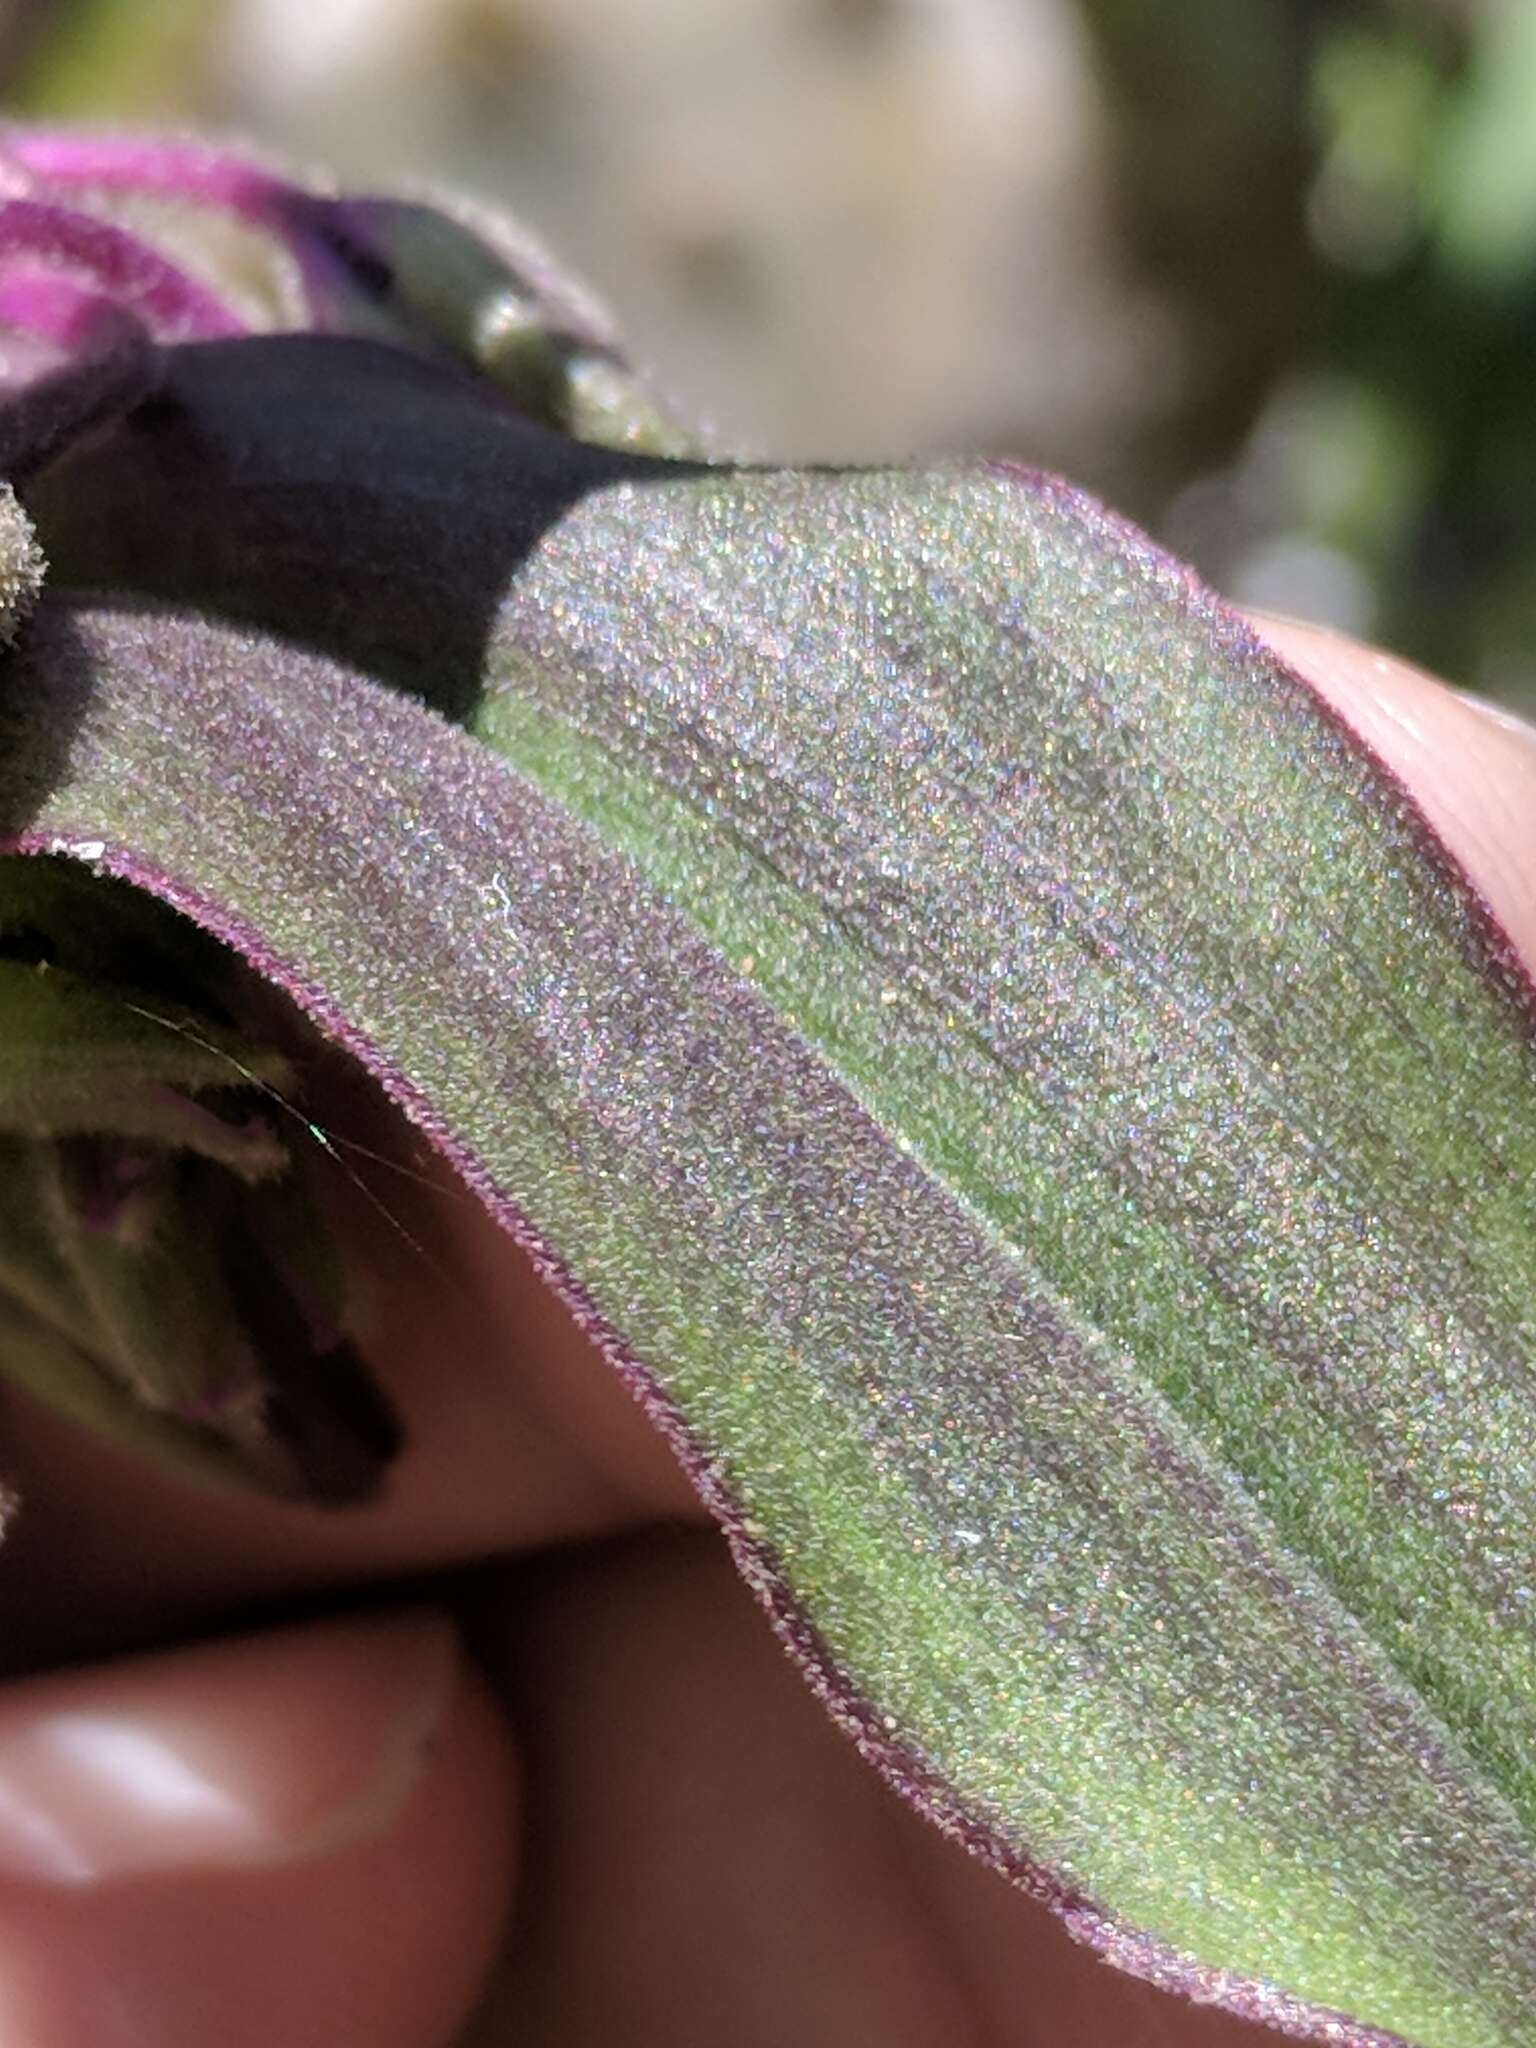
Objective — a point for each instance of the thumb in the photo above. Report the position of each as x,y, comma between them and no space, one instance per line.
299,1838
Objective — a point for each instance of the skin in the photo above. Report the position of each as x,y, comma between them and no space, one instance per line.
627,1816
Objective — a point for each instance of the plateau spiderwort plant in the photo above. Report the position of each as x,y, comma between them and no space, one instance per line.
1011,1083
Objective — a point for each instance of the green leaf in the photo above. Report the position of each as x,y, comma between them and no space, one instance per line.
1030,1107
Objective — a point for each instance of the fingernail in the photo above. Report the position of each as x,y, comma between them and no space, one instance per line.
264,1750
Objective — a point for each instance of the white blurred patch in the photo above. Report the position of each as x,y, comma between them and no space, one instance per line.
840,227
1299,577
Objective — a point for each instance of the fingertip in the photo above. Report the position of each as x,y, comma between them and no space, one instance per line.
304,1838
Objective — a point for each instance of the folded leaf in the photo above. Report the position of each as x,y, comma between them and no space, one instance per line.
210,224
1025,1102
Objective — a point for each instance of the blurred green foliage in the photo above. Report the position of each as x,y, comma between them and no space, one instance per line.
1348,195
1421,463
1337,197
105,60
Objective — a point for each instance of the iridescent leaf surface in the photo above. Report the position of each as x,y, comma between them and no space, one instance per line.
1022,1097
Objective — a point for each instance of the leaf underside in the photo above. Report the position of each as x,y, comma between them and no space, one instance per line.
983,1048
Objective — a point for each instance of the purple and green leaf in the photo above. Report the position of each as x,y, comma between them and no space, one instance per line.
1013,1085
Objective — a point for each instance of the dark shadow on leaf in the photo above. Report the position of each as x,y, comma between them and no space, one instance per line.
37,729
343,494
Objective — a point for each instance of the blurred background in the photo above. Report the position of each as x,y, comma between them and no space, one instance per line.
1260,272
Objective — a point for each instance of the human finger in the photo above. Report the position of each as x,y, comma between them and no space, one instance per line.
304,1837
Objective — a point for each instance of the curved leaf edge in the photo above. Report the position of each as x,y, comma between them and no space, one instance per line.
1505,965
1128,1949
